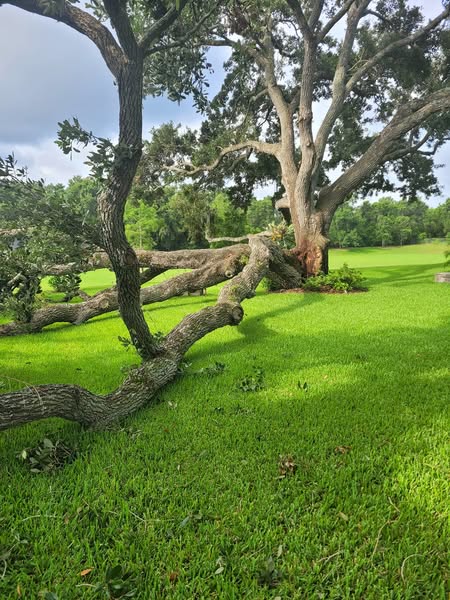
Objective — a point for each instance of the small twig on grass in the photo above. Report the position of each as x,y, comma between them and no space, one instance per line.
402,568
379,536
325,559
38,516
392,504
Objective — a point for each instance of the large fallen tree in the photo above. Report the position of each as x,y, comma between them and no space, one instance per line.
77,404
160,359
131,54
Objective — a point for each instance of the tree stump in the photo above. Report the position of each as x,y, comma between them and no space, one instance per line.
442,278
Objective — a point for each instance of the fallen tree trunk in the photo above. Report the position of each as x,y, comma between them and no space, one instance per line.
154,259
211,272
78,404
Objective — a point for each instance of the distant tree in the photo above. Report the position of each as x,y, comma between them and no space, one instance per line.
346,228
226,218
260,213
141,224
437,221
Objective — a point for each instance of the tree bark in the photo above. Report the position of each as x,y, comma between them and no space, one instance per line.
139,388
226,264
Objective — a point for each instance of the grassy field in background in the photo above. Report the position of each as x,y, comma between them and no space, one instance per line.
188,496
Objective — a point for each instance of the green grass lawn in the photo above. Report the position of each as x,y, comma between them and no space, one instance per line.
187,494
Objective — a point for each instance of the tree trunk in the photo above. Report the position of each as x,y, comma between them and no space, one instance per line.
311,242
210,268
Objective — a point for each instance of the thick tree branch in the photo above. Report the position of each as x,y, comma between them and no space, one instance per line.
117,13
314,17
334,20
265,147
301,18
187,38
411,115
159,27
224,266
154,259
286,154
410,39
339,92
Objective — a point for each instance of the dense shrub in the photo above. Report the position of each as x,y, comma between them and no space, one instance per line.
344,279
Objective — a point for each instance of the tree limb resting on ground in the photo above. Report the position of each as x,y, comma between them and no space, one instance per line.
139,388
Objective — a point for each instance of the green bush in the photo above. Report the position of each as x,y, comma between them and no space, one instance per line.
68,284
344,279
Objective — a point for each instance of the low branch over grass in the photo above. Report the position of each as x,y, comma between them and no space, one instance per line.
212,267
78,404
155,259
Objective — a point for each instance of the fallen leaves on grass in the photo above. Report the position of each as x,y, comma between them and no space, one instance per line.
342,449
269,575
48,456
286,466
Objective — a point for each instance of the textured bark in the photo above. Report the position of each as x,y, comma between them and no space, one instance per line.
107,301
77,404
157,259
442,278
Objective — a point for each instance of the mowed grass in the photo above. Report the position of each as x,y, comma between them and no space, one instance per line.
187,494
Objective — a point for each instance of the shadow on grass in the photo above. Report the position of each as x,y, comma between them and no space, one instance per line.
401,276
373,505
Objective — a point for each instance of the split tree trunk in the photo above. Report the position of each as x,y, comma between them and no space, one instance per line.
311,238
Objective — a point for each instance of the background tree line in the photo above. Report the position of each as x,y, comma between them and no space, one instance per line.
184,216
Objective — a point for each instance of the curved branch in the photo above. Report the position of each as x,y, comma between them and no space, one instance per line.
155,259
410,116
301,18
242,238
119,18
160,26
410,39
226,265
77,404
264,147
334,20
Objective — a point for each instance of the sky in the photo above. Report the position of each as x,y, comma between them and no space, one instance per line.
49,73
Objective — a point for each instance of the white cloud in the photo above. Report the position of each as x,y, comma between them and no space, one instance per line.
45,160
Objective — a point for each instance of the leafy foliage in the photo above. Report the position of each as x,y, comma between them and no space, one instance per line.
119,583
68,284
343,279
42,225
48,456
212,370
253,382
